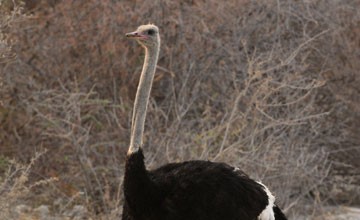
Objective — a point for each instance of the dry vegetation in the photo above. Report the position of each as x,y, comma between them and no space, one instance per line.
270,86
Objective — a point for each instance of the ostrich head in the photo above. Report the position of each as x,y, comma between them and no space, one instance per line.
146,35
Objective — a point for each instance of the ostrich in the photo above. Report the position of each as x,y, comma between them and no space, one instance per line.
192,190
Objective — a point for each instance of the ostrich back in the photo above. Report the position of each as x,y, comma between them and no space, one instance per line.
193,190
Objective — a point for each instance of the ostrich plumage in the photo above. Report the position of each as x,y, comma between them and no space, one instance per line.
192,190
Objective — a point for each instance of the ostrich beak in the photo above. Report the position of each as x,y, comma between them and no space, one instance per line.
135,34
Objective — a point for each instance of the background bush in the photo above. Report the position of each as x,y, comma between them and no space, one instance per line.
268,86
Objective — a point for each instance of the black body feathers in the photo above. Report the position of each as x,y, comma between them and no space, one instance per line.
193,190
279,215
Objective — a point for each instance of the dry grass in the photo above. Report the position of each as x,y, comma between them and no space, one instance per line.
15,186
252,83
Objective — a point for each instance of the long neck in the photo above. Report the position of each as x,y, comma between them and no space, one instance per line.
142,98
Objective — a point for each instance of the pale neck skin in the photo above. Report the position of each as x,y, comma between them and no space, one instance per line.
142,97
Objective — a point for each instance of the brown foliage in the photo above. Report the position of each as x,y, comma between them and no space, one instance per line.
252,83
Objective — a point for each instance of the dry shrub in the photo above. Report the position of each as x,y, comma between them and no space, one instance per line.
237,81
15,185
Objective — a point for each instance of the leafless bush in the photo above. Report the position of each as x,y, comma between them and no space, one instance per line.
238,81
15,186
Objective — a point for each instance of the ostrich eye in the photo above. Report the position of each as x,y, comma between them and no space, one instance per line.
151,32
